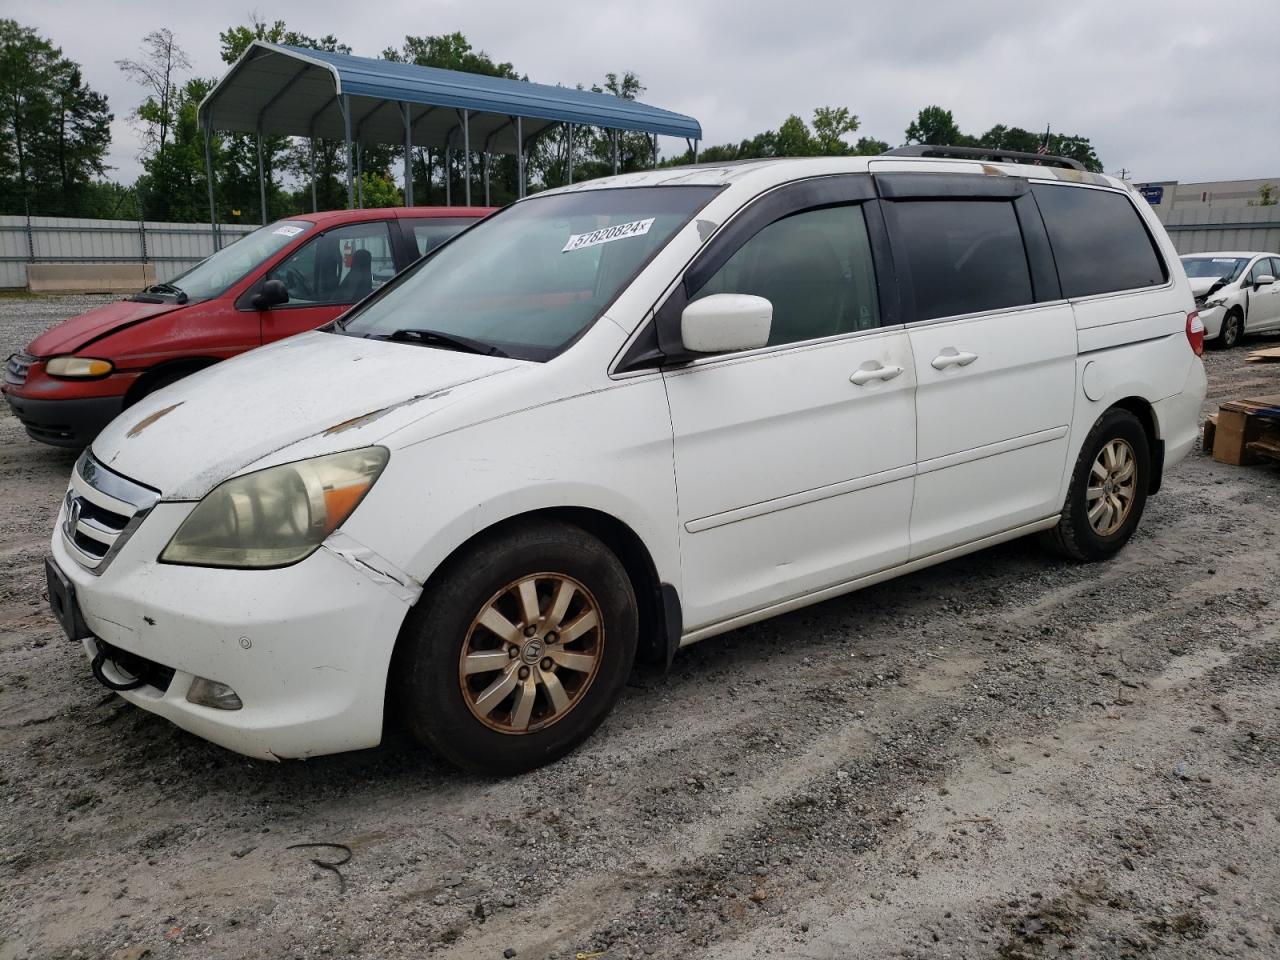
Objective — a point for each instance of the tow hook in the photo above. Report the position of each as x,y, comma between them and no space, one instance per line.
96,666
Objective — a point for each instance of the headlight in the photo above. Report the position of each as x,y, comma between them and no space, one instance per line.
78,367
276,516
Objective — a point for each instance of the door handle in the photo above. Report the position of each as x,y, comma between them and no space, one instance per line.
866,375
950,357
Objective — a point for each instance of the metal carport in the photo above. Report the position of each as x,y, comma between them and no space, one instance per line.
277,90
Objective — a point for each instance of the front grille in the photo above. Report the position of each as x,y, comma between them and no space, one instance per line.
15,371
101,512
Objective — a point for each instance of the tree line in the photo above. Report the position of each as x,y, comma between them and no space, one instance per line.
55,134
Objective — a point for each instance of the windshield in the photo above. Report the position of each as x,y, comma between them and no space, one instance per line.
1218,267
211,277
530,279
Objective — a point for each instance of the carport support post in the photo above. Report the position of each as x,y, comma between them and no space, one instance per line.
655,151
570,154
359,175
408,155
262,180
345,106
312,163
613,139
448,178
488,161
466,149
208,176
519,158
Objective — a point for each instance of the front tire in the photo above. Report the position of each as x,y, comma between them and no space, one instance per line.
518,650
1232,331
1108,490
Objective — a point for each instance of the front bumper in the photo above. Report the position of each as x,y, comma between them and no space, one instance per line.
306,647
71,423
1211,317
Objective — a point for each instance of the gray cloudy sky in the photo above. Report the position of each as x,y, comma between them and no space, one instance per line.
1169,89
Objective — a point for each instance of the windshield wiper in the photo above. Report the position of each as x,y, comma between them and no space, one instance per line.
179,294
450,341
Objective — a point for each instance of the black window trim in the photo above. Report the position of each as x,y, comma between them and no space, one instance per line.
656,344
1155,245
244,303
897,188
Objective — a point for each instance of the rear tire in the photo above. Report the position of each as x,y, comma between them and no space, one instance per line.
1108,490
518,650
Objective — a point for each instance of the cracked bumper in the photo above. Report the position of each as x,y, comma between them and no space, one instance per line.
306,647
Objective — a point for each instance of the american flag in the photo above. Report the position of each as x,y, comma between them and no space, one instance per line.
1044,144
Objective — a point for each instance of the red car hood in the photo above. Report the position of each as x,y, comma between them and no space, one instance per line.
71,335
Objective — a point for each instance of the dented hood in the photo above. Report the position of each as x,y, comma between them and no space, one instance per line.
79,331
1202,285
189,437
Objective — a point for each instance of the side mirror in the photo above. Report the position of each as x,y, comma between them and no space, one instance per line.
1263,280
270,294
725,322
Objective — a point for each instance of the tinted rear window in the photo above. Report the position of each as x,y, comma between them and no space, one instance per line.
965,256
1099,241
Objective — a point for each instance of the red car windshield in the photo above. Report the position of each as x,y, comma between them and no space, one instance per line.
211,278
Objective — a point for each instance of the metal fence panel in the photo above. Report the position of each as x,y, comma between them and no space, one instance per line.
1225,228
173,247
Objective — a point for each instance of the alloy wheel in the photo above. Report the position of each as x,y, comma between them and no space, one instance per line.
531,653
1112,486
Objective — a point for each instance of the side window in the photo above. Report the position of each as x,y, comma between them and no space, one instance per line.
965,256
1275,267
814,267
1099,241
1262,268
341,266
430,233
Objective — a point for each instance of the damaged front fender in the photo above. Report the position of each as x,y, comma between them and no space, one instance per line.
374,566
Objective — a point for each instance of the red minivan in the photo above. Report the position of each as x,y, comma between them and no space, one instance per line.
284,278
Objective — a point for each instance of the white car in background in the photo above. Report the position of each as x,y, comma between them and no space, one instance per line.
1236,293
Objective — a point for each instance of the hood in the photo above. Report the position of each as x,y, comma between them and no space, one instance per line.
71,335
344,392
1202,285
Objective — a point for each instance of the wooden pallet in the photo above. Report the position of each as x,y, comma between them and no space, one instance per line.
1246,431
1270,355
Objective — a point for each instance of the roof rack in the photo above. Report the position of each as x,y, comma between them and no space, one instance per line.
984,153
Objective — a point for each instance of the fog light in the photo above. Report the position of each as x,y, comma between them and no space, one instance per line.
211,693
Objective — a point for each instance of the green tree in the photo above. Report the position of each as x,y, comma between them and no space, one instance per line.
936,126
1266,196
869,147
54,130
830,125
174,185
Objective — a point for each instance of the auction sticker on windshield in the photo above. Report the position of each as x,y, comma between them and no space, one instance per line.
636,228
288,231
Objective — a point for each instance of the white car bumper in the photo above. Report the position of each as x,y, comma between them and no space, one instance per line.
306,648
1211,317
1178,416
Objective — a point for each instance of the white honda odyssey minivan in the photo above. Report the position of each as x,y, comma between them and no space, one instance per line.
620,417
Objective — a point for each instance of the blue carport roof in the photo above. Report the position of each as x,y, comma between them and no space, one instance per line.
294,91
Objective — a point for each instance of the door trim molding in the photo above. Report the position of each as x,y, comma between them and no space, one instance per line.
991,450
799,499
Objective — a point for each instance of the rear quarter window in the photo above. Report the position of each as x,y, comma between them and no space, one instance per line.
1100,243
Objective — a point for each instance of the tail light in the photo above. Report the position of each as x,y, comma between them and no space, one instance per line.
1195,333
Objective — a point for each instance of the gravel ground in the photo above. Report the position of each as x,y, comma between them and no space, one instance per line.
1006,756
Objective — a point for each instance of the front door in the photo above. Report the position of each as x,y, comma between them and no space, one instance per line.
794,462
327,275
995,369
1264,300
